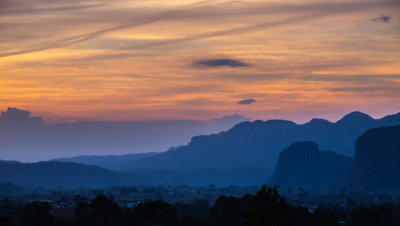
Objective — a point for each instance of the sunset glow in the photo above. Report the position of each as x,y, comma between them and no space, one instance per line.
157,60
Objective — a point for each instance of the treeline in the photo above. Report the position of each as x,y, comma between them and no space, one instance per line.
266,207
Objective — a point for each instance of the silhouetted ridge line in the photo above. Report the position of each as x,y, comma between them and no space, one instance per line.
27,139
257,144
246,154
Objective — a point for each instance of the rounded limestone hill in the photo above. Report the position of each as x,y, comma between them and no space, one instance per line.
377,160
302,164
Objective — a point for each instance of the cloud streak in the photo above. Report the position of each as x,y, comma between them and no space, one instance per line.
84,37
321,10
49,9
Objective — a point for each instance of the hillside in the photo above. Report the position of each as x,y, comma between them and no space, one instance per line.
257,144
60,175
376,161
302,164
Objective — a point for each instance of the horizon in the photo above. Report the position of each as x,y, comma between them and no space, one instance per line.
215,126
334,117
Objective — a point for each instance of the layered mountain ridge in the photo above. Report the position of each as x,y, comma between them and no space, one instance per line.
247,154
258,144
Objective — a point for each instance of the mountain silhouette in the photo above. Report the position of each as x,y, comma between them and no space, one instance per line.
26,138
60,175
376,160
302,164
246,154
258,144
111,162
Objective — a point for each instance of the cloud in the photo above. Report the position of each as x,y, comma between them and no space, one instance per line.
246,101
49,9
220,63
193,12
81,38
382,19
367,89
357,79
239,30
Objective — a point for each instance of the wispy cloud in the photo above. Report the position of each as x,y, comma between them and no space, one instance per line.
194,12
372,78
84,37
48,9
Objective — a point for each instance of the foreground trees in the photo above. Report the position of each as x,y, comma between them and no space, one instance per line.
265,208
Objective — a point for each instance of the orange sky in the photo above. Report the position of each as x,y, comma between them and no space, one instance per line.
152,60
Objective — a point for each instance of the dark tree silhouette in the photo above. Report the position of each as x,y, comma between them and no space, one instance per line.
324,217
229,210
153,213
4,221
36,214
105,212
267,208
377,215
82,214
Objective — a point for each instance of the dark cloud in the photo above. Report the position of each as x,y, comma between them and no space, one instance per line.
246,101
220,63
382,19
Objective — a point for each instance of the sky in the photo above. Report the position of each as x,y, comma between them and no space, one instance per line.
70,60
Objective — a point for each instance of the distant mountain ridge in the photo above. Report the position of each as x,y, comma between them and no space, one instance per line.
374,168
111,162
302,164
257,144
27,138
61,175
247,154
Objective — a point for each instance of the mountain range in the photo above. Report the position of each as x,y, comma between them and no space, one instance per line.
257,144
247,154
26,138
